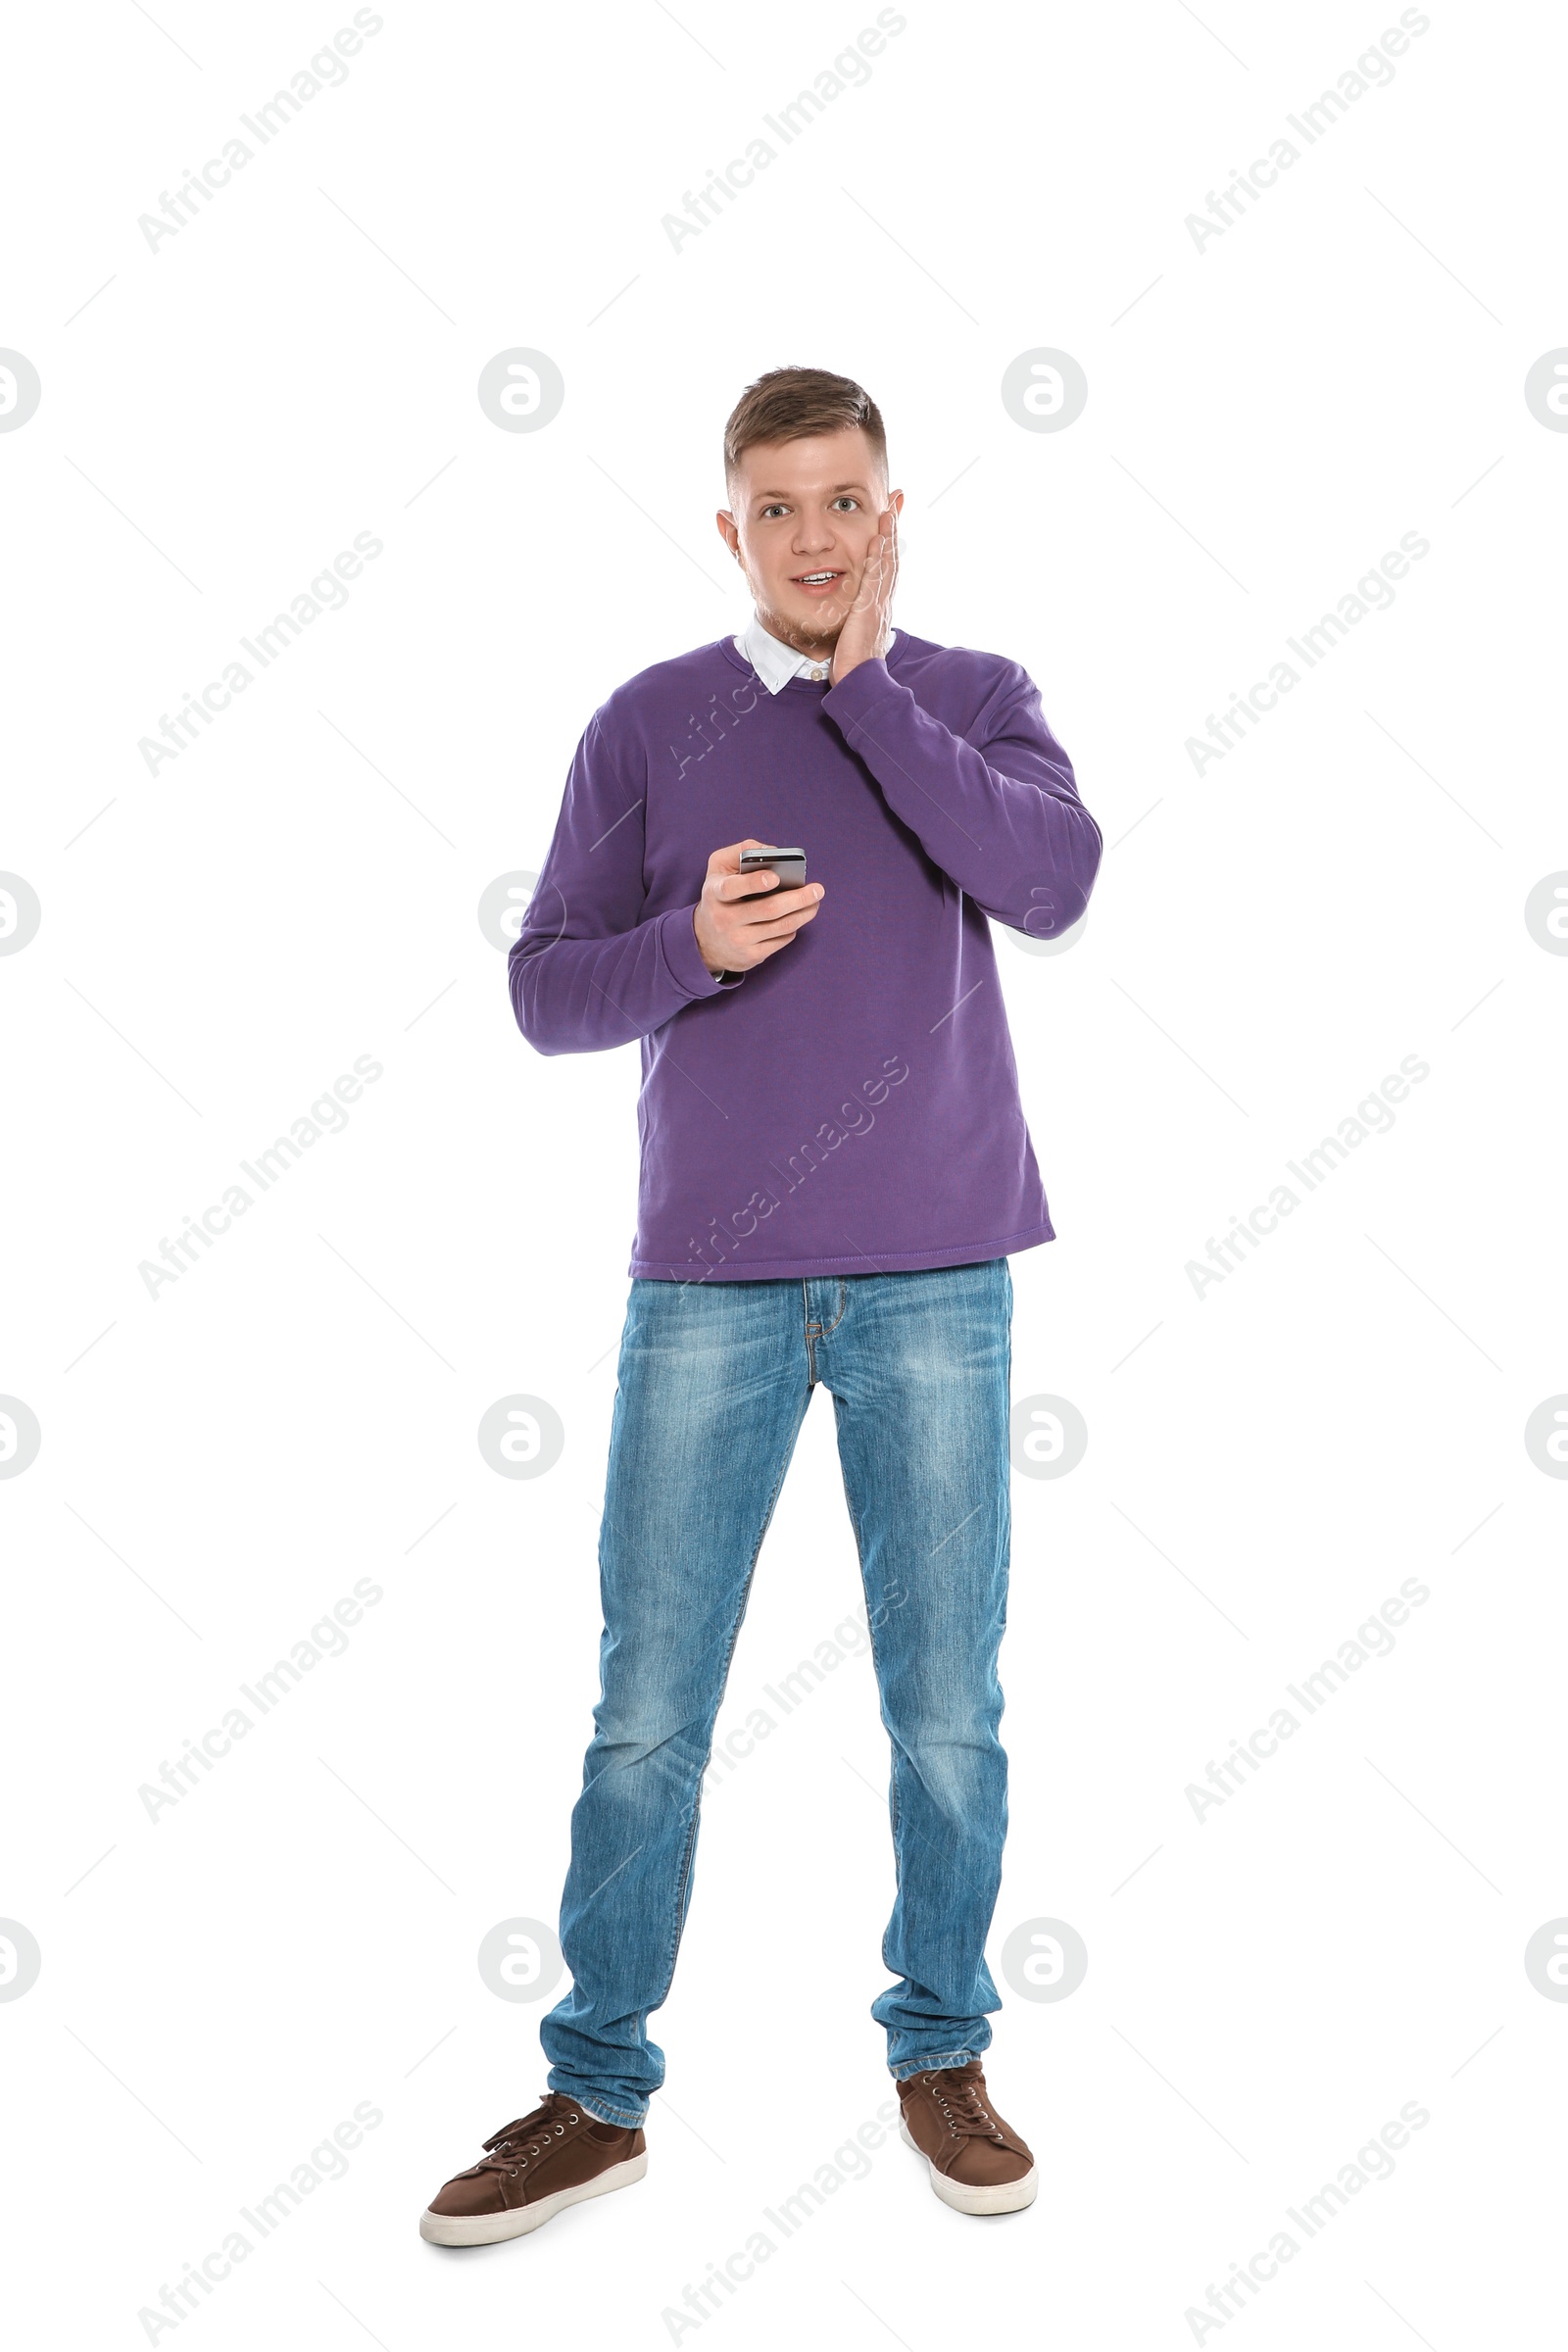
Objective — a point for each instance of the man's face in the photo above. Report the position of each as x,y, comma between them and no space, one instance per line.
803,518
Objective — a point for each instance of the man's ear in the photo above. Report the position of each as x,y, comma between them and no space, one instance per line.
727,530
895,500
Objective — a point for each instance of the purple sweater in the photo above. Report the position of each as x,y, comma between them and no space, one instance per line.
849,1106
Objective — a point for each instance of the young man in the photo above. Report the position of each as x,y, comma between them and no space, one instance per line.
835,1167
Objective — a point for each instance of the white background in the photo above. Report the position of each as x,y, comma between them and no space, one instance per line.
1265,1464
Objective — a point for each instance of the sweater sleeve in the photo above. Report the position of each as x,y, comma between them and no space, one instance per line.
587,971
999,816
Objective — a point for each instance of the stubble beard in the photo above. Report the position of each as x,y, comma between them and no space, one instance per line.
817,643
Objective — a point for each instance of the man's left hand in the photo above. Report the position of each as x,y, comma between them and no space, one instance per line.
868,632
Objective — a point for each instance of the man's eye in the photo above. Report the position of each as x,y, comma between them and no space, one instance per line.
846,501
767,511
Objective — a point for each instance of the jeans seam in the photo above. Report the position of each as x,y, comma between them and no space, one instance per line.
876,1669
812,1333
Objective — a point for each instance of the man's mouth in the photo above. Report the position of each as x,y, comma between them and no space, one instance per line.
816,583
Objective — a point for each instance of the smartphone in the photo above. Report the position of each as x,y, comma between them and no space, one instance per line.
788,864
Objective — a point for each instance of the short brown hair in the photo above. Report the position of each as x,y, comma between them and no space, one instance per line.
790,404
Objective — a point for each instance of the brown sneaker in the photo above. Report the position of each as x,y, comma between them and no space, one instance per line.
978,2164
552,2158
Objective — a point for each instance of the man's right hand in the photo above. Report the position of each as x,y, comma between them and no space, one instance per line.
734,928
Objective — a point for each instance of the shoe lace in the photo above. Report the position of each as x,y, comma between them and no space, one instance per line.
512,2146
962,2101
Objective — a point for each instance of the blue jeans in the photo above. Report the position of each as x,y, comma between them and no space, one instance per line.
714,1380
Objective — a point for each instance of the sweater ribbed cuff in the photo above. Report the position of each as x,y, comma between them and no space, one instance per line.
684,957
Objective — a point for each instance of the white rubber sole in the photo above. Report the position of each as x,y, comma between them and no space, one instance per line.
1008,2196
489,2229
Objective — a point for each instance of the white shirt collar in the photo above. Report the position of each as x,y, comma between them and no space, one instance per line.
775,662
